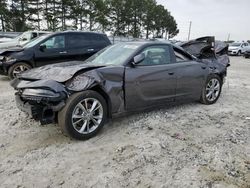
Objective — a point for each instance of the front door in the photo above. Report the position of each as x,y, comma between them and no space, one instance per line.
151,82
54,52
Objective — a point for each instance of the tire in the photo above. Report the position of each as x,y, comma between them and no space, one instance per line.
75,119
214,91
239,53
18,68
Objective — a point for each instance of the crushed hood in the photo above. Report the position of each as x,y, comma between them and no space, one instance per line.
60,72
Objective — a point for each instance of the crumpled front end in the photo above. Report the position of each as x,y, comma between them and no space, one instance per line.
41,99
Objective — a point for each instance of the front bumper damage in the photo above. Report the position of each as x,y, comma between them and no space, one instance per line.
40,99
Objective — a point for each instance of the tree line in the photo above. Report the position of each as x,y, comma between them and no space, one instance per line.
137,18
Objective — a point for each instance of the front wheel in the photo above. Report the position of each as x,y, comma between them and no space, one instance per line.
211,90
239,53
83,115
18,68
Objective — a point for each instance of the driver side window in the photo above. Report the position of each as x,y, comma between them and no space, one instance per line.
56,42
156,55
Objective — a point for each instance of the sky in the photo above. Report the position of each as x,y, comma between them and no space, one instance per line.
219,18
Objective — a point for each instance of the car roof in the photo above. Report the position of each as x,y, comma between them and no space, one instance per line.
145,43
87,32
141,43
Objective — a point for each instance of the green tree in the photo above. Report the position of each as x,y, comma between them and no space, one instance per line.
3,13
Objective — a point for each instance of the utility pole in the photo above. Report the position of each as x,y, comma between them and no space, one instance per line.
228,37
189,31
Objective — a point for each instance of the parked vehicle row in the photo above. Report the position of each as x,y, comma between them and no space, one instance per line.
122,78
51,48
22,39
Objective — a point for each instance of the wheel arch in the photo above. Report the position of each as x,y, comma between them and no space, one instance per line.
99,90
24,61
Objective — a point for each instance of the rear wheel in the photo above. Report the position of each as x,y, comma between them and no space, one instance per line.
18,68
83,115
211,90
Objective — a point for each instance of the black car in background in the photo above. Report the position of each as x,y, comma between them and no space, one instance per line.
50,49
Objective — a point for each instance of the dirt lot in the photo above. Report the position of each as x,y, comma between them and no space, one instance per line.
189,145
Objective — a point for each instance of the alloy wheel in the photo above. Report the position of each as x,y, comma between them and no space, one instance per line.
87,116
213,89
18,69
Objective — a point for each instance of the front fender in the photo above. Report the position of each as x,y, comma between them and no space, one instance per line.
109,80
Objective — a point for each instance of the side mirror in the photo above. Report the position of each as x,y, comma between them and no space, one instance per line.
24,39
42,47
139,58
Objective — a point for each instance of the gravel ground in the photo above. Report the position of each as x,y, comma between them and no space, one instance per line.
188,145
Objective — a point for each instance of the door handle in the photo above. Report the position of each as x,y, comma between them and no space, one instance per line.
90,50
203,67
63,52
171,73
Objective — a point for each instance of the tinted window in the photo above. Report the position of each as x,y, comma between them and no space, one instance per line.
77,40
97,39
156,55
55,42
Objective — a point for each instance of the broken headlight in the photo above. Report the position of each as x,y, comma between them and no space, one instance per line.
36,93
10,60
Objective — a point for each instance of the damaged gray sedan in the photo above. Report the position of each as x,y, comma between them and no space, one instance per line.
123,78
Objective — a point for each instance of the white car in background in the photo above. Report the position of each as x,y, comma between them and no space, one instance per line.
237,48
5,39
22,39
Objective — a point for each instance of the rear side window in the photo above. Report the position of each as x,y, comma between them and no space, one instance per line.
97,39
77,40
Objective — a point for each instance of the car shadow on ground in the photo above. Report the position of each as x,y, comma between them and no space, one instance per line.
113,125
55,136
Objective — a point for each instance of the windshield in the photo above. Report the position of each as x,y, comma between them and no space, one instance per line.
34,41
113,55
235,44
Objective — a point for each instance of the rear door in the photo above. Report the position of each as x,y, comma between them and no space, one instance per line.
151,82
79,46
191,76
83,45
